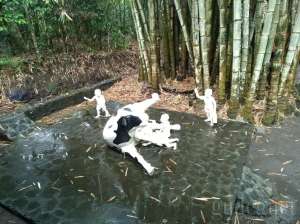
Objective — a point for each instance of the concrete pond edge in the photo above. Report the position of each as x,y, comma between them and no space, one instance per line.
21,121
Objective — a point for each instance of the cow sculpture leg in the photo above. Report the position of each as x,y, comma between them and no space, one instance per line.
131,150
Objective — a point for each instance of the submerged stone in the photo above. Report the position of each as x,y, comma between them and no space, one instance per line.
76,178
15,124
254,195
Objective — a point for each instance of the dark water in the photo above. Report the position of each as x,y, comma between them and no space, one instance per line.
66,174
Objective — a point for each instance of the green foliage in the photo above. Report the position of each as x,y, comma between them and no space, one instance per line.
57,24
10,62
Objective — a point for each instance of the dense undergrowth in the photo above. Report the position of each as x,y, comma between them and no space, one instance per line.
54,74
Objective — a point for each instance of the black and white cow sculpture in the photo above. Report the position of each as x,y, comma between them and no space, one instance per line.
119,130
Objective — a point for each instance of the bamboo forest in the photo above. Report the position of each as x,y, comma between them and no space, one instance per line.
150,111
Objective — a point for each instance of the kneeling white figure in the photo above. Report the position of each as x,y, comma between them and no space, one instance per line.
159,133
131,125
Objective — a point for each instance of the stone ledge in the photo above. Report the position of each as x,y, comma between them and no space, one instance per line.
21,121
58,103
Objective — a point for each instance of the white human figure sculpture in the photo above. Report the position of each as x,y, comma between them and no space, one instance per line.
120,129
210,106
100,100
159,133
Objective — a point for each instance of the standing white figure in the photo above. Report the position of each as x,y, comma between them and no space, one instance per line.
210,106
100,100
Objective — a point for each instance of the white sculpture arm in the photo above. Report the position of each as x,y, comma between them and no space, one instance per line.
90,99
175,127
197,94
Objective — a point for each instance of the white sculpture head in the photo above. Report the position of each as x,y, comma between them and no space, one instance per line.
97,92
208,92
155,96
164,118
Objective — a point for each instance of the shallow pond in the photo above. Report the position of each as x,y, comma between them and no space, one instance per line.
64,173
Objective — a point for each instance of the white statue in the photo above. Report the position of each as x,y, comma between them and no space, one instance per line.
100,100
120,129
210,106
159,133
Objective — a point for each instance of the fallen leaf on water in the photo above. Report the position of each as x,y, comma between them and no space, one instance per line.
132,216
172,161
201,199
111,199
55,188
168,170
92,195
202,216
186,188
257,203
277,174
155,199
287,162
24,188
269,154
280,203
175,199
260,220
206,198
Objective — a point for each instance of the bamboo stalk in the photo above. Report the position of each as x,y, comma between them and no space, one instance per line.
171,38
141,41
204,43
292,50
152,6
196,41
258,22
166,41
266,64
184,28
245,44
184,51
223,48
279,44
237,46
141,12
262,49
208,27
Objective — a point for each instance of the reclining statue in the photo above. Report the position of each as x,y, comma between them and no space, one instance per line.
131,125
